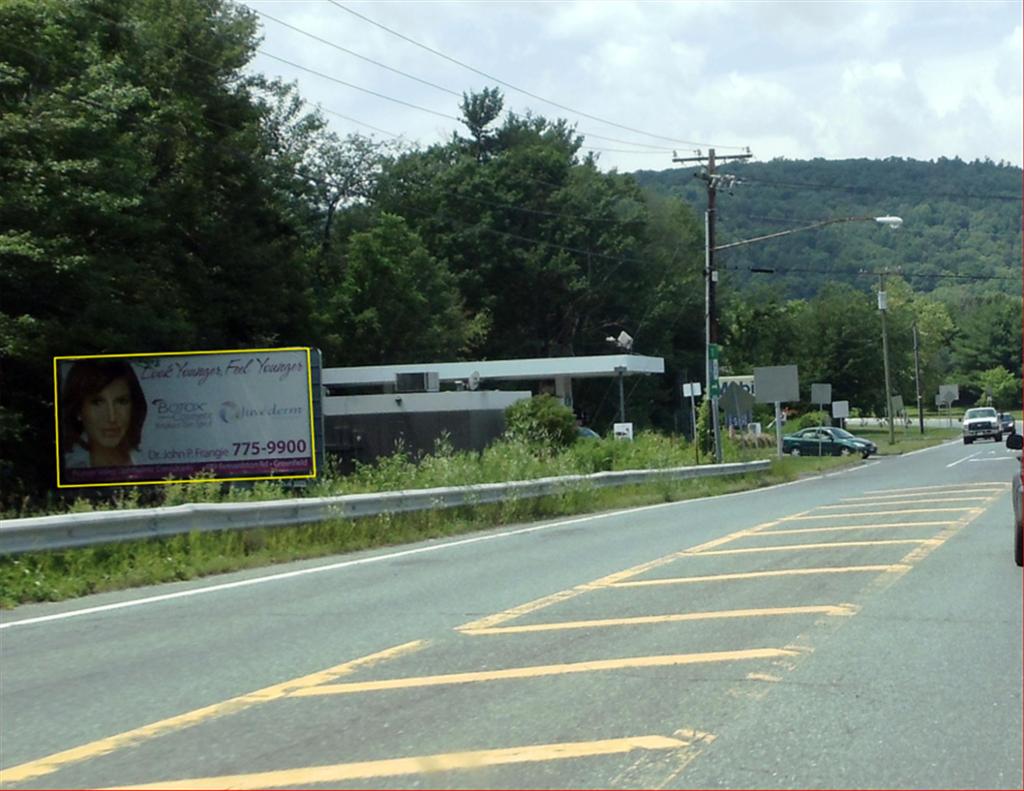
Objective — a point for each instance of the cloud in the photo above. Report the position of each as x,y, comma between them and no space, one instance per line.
794,79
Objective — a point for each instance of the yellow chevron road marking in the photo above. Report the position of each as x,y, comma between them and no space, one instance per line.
859,503
944,488
827,545
751,575
839,528
538,671
428,764
880,513
826,609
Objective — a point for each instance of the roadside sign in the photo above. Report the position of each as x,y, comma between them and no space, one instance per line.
821,394
948,394
840,409
776,383
623,430
691,390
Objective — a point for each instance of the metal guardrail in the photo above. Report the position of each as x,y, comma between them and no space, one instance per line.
66,531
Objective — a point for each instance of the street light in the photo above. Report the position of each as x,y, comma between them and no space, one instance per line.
711,275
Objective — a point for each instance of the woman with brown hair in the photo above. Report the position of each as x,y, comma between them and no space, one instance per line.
102,412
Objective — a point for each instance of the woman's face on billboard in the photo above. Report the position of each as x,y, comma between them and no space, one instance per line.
106,415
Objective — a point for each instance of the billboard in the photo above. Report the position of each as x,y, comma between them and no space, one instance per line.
169,418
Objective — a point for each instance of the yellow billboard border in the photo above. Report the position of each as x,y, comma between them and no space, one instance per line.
56,415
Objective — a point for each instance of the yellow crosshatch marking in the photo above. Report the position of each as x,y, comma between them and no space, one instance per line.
428,764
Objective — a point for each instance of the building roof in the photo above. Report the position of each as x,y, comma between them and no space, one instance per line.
501,370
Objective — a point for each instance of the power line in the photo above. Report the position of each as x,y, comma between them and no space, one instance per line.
518,89
659,148
358,87
356,54
405,103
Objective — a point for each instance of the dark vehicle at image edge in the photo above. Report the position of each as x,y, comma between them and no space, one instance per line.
826,441
1015,442
1007,423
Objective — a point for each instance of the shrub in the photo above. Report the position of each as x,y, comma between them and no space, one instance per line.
808,420
542,421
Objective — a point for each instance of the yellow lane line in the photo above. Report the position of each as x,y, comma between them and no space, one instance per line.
824,609
836,529
604,582
750,575
881,513
827,545
858,503
538,671
52,763
424,764
958,487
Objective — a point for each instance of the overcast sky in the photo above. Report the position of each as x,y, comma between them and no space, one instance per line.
838,80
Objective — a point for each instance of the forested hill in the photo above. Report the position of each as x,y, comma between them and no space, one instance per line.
961,231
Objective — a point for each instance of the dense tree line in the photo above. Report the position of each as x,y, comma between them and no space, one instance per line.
158,198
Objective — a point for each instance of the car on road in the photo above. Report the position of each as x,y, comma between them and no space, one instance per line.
1015,442
1007,422
826,441
981,422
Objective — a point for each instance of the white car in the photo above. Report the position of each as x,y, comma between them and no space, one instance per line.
981,422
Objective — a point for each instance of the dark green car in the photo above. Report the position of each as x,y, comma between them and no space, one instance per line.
826,441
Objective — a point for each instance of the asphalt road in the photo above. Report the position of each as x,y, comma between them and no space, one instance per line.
862,629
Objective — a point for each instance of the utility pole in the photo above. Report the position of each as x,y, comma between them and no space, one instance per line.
882,307
708,175
917,380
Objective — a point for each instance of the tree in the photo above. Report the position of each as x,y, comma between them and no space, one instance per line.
989,333
999,388
142,209
479,111
396,303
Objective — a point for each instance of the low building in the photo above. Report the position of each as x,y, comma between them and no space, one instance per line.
369,410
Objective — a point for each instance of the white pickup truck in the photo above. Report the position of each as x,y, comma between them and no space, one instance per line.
981,422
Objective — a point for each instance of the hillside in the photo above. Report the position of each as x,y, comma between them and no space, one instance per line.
961,232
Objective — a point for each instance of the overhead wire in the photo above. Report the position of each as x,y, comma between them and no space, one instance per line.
661,149
347,84
523,91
